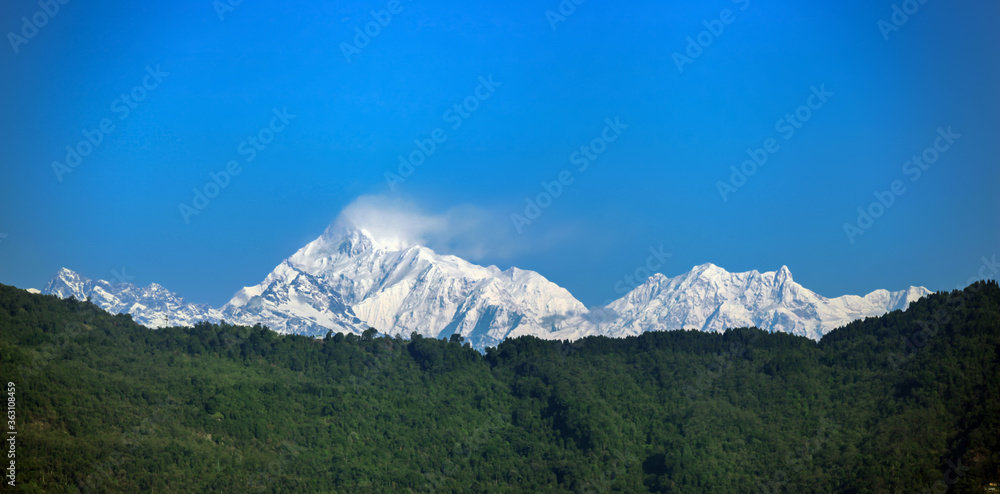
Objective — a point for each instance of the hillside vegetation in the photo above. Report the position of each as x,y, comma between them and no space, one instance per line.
901,403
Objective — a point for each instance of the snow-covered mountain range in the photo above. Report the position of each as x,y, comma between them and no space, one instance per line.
347,280
152,306
709,298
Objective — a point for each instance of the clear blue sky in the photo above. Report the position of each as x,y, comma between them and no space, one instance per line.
656,184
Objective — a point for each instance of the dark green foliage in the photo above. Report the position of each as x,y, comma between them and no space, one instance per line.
907,402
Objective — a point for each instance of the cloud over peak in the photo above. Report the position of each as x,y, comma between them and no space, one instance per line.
469,232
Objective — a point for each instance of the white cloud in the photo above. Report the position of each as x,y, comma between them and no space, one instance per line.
466,231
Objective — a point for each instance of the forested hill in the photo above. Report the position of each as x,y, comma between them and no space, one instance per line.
907,402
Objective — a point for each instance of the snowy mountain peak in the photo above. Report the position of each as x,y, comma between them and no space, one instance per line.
367,232
66,272
708,270
65,277
784,274
709,298
349,279
338,239
657,278
152,306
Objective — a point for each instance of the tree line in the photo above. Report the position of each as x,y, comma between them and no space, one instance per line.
899,403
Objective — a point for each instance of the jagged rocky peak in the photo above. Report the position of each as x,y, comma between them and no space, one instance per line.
784,274
710,298
152,306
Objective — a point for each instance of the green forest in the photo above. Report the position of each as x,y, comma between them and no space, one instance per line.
904,403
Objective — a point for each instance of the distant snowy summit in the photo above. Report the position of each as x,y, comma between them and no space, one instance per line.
152,306
348,280
709,298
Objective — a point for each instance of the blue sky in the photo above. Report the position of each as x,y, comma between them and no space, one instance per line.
204,90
